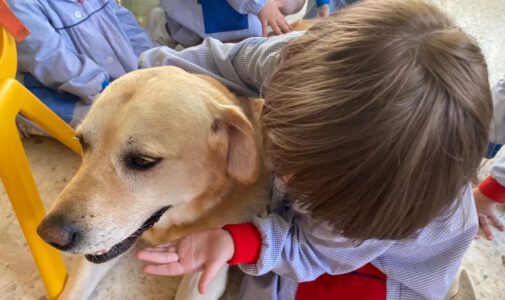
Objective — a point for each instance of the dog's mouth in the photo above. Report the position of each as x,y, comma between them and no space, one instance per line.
121,247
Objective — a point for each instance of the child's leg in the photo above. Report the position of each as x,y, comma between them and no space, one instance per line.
289,7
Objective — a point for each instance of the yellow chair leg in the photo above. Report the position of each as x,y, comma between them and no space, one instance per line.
18,180
25,200
33,109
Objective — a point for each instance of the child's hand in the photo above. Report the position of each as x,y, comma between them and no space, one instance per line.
205,251
270,15
486,210
324,11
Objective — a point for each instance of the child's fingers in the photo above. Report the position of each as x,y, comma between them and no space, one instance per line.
484,225
496,222
158,257
275,28
159,249
162,247
285,27
264,26
207,275
171,269
167,244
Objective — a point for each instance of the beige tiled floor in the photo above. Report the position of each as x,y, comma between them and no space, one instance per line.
53,166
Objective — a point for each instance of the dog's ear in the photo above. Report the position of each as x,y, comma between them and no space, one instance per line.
233,137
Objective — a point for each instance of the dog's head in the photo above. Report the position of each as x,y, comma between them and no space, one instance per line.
154,141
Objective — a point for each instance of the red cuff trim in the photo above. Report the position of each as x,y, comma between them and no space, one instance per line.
493,189
247,240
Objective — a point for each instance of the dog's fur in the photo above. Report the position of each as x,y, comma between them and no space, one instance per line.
211,170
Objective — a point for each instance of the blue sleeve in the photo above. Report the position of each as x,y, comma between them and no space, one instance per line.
244,67
46,56
320,3
247,6
302,250
139,38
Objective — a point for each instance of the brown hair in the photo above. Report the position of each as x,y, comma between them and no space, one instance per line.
380,114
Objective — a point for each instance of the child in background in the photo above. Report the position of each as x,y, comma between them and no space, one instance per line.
189,22
76,48
375,120
492,190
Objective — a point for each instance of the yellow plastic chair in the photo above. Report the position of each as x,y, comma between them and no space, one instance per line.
14,167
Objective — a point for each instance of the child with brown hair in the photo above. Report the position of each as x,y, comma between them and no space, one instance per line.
375,119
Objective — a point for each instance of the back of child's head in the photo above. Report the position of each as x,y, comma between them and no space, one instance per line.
380,115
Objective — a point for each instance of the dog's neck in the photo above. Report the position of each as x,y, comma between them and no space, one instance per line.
228,203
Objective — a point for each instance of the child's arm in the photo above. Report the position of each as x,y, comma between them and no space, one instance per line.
46,56
490,192
139,38
301,252
270,15
244,67
267,11
492,189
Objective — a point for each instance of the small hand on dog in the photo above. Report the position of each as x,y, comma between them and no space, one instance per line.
205,251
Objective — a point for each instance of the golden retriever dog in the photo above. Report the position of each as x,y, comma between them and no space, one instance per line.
165,153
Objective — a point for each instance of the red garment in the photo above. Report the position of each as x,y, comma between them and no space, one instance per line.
11,23
367,282
493,189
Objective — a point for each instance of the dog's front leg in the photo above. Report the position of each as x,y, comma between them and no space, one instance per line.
188,288
84,277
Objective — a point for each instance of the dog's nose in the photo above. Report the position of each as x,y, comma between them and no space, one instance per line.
58,232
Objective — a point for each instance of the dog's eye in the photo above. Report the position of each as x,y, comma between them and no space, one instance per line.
141,162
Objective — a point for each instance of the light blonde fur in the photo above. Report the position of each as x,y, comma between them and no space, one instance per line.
211,171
